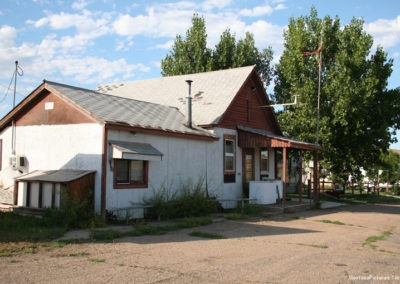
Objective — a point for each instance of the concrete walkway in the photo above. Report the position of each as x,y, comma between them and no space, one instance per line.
330,204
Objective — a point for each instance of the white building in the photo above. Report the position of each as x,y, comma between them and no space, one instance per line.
136,139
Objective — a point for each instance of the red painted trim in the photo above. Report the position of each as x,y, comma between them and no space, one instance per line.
104,172
133,185
159,132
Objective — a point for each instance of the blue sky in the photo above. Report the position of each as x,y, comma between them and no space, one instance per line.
86,42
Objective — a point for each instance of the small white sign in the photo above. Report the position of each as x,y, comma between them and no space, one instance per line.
49,105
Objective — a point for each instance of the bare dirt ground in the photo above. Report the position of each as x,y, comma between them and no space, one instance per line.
305,247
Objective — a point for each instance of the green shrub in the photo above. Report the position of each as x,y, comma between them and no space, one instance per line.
396,189
72,215
190,200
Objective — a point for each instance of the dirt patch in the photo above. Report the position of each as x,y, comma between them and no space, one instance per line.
321,246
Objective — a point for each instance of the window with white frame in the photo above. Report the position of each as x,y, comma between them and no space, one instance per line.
229,158
264,162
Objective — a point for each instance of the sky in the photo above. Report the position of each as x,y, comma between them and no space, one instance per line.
86,43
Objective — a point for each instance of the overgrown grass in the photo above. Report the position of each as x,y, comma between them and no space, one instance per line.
146,229
190,200
369,199
19,228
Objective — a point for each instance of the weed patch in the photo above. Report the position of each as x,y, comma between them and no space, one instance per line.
331,222
146,229
370,241
97,260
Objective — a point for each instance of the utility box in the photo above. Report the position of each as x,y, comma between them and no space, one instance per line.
266,191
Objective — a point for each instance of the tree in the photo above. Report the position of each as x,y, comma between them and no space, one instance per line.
224,55
390,165
191,55
356,108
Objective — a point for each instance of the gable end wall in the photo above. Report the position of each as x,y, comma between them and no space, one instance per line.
245,109
49,109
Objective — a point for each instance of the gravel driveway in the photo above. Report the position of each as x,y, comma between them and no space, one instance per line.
350,244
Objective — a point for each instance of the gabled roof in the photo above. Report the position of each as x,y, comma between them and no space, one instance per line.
212,92
109,109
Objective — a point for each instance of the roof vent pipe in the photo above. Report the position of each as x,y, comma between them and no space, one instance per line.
189,104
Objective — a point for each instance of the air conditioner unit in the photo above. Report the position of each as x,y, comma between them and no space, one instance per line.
17,162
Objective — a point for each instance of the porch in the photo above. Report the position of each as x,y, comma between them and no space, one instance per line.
252,138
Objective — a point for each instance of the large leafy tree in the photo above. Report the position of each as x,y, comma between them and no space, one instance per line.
356,110
191,55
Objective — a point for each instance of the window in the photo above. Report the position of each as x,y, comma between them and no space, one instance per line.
130,173
264,162
229,158
229,155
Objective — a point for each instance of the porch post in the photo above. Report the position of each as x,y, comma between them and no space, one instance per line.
316,178
300,183
284,166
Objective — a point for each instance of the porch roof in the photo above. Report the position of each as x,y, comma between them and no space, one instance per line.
54,176
253,137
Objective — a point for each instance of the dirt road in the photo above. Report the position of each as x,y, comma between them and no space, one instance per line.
351,244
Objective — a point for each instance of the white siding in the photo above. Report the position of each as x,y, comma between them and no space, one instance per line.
184,160
53,147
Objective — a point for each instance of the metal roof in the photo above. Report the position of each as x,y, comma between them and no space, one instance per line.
281,141
56,176
136,113
212,92
135,150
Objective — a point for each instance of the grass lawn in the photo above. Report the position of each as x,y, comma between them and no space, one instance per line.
19,228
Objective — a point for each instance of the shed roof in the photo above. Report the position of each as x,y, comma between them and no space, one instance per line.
56,176
278,141
212,92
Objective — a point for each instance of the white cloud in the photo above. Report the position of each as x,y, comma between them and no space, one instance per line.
281,7
166,45
154,24
257,11
7,35
211,4
79,5
385,32
267,34
93,23
94,69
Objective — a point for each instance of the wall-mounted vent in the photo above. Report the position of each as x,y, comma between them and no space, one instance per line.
49,106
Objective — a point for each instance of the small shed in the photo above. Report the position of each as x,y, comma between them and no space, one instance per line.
51,189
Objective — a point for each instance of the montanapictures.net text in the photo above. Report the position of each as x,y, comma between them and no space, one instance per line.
374,278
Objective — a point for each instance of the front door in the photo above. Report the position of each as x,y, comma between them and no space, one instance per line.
248,170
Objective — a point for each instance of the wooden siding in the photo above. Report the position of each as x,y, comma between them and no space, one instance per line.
49,109
246,109
82,190
248,140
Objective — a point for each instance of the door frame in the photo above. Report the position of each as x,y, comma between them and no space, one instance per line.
245,182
